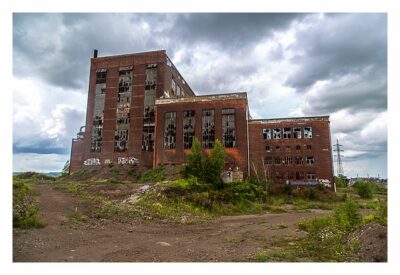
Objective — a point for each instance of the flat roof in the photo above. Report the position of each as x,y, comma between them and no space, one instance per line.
289,119
129,54
201,98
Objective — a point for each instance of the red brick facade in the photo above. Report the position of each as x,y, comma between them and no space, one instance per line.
139,98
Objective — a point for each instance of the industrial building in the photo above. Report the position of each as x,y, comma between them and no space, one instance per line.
141,111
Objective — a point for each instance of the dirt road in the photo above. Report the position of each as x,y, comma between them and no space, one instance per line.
221,240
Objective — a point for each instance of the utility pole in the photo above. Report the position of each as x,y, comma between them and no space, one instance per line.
339,166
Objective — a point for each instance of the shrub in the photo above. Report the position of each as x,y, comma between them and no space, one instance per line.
364,189
156,174
214,165
207,169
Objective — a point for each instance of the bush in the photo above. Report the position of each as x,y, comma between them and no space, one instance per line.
207,169
156,174
365,189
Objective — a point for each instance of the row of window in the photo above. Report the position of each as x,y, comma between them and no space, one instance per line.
207,128
287,132
288,160
298,175
286,148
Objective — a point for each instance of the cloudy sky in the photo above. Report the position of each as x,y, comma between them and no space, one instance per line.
289,64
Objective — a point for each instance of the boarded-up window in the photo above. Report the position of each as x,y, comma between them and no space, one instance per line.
170,130
208,129
188,128
228,128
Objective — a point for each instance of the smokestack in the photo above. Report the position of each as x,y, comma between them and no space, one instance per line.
95,53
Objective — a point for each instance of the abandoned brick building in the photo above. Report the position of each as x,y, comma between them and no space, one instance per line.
141,111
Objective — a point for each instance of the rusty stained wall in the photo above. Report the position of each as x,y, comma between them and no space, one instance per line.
319,147
236,156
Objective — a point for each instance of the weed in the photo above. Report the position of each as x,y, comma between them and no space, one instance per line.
156,174
282,226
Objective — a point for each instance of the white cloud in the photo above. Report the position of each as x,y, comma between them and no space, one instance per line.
43,163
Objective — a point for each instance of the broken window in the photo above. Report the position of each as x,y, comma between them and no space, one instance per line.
276,133
311,176
298,160
299,175
269,160
278,160
121,136
228,128
188,128
267,133
170,130
173,87
297,132
287,132
267,148
148,112
208,129
121,140
309,147
310,160
101,76
98,112
288,160
307,132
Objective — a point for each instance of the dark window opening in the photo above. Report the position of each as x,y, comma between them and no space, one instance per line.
297,132
228,128
278,160
148,138
299,175
101,77
298,160
148,111
269,160
307,132
310,160
276,133
309,147
267,133
288,160
121,140
208,129
188,128
268,148
298,147
311,176
287,132
170,130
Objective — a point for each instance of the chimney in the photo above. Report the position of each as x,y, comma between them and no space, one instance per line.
95,51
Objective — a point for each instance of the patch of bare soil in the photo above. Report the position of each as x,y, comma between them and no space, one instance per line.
372,239
222,240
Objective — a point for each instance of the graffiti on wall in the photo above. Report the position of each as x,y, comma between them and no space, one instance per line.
107,161
128,160
325,182
92,161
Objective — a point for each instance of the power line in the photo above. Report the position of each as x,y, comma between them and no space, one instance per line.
339,166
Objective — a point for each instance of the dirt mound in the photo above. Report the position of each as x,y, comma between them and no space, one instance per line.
372,239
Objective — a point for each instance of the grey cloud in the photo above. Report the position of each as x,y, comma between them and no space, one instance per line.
339,45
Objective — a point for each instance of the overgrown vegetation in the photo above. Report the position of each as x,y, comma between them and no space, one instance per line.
157,174
327,236
25,209
365,189
207,169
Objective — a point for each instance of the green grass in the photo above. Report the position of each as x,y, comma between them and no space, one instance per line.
152,175
25,208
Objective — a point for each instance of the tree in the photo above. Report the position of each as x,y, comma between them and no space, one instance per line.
195,160
65,170
214,165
